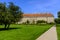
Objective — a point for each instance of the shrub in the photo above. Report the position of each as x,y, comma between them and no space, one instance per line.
51,23
41,21
24,23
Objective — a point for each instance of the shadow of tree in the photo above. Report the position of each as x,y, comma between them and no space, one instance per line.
2,29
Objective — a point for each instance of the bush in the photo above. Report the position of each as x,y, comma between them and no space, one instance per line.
51,23
24,23
41,21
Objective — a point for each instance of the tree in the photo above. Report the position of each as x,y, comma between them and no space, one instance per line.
57,20
9,14
59,14
27,21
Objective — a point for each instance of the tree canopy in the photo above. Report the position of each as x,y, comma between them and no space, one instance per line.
59,14
9,14
57,20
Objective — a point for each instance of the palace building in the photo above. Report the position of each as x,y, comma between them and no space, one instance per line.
48,17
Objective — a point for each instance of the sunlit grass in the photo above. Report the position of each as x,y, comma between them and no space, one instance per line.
23,32
58,31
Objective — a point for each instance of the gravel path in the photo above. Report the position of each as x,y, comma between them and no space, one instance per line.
51,34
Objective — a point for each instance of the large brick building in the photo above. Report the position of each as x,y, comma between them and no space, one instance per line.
46,17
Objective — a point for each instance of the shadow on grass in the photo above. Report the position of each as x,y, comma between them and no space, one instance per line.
3,29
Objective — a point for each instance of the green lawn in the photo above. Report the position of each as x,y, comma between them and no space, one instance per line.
58,31
23,32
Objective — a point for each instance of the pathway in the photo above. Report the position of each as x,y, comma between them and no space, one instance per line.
51,34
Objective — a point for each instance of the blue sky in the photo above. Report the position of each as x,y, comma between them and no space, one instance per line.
37,6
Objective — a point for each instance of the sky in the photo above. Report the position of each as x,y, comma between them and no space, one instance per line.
37,6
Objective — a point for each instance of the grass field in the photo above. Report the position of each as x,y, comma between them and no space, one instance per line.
58,31
23,32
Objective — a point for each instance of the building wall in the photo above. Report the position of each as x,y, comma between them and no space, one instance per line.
50,19
31,19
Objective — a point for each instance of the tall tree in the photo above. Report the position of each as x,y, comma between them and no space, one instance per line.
9,14
59,14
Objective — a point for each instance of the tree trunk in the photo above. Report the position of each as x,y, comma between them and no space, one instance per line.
8,26
5,26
